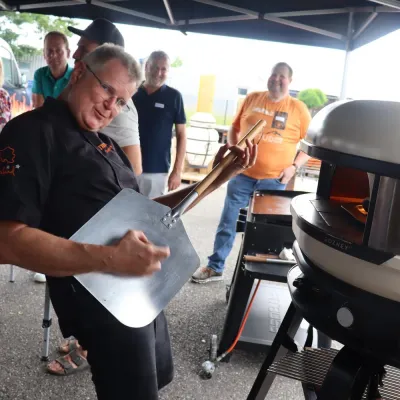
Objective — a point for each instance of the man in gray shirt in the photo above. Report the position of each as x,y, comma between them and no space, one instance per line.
124,128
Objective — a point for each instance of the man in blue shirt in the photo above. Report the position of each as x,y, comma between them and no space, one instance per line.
159,108
50,81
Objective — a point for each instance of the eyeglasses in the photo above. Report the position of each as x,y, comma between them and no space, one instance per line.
120,103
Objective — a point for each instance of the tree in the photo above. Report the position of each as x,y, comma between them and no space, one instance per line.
12,24
177,63
313,98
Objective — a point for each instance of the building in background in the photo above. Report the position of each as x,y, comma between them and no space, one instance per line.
228,93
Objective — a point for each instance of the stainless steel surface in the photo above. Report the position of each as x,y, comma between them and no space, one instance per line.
279,261
378,279
136,301
366,128
173,215
266,315
385,230
312,365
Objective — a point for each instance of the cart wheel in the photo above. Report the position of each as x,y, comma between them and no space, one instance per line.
228,292
213,347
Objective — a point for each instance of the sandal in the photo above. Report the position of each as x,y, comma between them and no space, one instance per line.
72,344
67,365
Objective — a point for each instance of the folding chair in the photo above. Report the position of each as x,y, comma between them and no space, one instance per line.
12,273
47,321
46,324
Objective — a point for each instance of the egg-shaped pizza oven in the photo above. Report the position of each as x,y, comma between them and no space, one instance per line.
348,232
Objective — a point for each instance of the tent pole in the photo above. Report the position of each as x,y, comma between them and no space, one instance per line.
349,41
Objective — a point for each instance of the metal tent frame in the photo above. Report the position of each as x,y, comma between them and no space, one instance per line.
359,22
366,13
359,18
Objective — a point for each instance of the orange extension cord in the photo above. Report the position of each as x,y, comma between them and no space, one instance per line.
246,315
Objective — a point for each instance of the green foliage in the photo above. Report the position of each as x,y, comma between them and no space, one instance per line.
313,98
12,23
177,63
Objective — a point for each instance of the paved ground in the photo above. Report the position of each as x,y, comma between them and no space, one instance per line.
196,313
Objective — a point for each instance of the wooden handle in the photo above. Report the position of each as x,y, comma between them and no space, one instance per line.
255,259
267,260
271,256
218,169
260,257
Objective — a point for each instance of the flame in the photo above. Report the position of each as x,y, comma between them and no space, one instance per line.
18,107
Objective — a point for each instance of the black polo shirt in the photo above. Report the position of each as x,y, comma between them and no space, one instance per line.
55,176
158,112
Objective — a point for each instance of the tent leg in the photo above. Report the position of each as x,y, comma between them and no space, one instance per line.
346,59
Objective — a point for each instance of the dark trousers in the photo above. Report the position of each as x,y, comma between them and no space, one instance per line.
126,363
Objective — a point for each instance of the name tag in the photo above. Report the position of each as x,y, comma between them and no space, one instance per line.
159,105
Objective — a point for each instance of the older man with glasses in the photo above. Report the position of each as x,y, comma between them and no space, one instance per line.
58,177
124,128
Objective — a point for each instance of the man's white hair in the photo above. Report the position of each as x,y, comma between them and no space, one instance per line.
107,52
157,55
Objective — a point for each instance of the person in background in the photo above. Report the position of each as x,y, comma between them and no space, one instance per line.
5,101
124,127
51,80
287,123
160,107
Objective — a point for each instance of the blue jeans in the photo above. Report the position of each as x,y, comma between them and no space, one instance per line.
238,196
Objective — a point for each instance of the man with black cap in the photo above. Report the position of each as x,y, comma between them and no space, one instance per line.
124,128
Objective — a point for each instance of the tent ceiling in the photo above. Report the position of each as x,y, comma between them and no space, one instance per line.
308,22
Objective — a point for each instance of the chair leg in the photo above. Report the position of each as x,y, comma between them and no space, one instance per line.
46,324
12,273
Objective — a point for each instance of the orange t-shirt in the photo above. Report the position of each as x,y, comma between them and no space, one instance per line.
287,124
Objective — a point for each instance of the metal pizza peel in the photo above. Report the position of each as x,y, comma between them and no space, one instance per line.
136,301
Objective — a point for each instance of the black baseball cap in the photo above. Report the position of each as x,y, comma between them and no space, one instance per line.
101,31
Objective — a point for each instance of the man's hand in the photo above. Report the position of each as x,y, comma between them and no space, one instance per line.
245,159
37,100
135,255
174,180
287,174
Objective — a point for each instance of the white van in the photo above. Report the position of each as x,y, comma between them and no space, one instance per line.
14,82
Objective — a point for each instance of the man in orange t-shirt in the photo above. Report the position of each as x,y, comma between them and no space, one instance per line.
287,123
